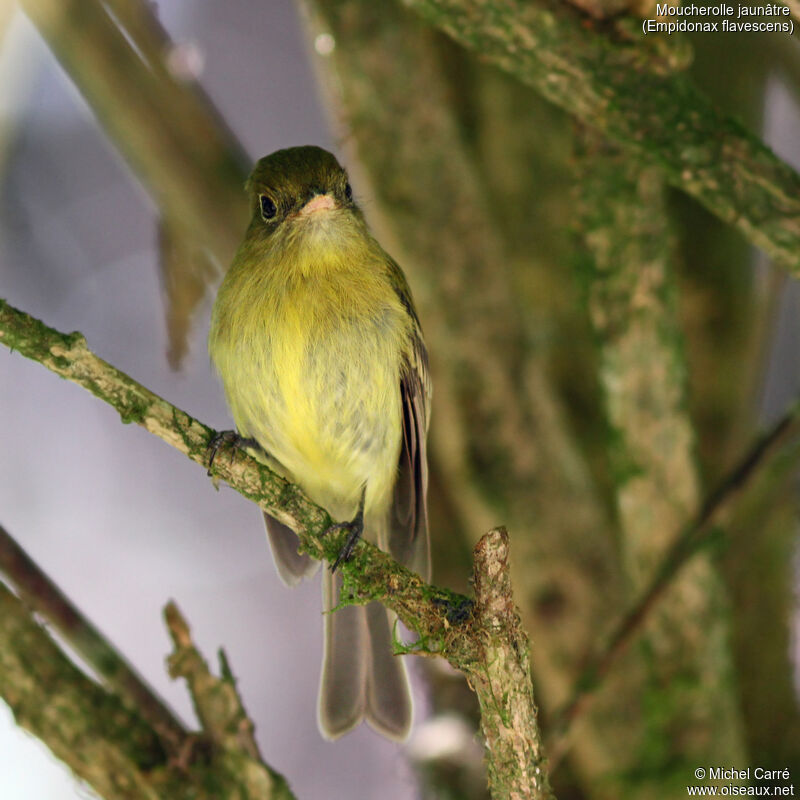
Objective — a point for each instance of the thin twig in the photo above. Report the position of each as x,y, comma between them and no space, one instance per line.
219,707
39,592
694,536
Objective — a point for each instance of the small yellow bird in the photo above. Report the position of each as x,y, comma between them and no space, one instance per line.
320,351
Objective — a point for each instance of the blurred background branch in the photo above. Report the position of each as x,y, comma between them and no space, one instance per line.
775,454
632,94
42,597
629,271
143,92
126,744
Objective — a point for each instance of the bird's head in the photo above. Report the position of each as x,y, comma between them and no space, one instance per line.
304,218
298,184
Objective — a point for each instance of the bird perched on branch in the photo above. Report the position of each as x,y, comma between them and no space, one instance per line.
320,351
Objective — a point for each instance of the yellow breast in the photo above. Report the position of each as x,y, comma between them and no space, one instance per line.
310,360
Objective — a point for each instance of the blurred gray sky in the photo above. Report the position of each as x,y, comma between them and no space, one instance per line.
117,518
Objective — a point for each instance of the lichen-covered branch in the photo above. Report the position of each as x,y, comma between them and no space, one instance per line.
226,726
611,82
629,271
105,743
501,678
41,595
769,460
102,742
120,738
447,624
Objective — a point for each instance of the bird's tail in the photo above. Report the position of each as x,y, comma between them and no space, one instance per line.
361,679
291,565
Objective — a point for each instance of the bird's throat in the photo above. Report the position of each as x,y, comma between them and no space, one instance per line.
324,241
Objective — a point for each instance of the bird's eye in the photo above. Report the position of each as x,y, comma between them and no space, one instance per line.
348,191
268,208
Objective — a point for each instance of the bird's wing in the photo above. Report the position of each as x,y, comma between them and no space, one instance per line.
408,523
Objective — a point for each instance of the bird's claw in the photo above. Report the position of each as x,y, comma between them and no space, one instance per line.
222,438
356,528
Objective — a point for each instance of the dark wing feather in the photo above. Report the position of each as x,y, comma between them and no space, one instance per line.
408,523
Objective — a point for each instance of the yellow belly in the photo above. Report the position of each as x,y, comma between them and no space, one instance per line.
313,374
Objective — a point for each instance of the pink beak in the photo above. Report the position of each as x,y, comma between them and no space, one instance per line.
320,202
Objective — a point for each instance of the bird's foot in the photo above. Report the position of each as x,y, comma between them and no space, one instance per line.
356,528
230,438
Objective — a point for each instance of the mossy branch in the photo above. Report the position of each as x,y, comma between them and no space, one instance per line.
115,747
227,728
615,82
774,453
629,255
88,729
44,598
483,639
